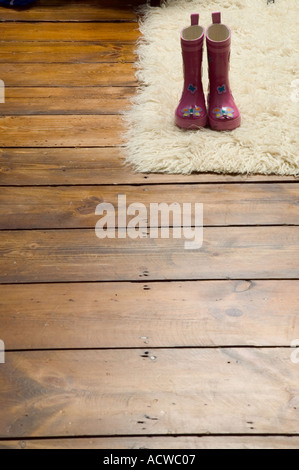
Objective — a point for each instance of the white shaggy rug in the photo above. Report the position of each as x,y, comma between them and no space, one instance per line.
264,63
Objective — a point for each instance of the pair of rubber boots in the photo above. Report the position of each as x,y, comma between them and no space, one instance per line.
191,112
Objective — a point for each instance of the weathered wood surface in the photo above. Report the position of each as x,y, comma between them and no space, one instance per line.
67,31
74,10
78,255
73,207
159,442
60,166
170,391
70,75
60,131
154,314
66,100
64,52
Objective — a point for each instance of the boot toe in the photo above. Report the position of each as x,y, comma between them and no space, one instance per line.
224,124
191,122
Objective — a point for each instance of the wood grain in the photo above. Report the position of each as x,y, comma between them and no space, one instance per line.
154,314
76,10
169,391
78,255
53,75
61,101
60,131
65,31
66,52
63,166
159,442
223,205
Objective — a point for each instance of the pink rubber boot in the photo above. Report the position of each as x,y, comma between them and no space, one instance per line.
223,112
191,112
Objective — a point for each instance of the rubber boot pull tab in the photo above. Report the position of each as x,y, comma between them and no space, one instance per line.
194,19
216,17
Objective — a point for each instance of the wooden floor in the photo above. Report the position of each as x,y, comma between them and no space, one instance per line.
122,343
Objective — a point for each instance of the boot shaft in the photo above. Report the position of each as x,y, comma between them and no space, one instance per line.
192,39
218,48
223,111
191,111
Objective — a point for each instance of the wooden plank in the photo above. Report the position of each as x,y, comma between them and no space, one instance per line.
53,75
60,131
64,31
125,392
159,442
95,166
157,314
224,205
76,10
78,255
75,100
62,52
